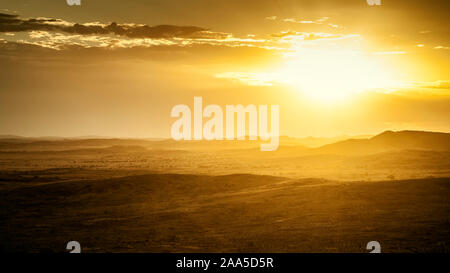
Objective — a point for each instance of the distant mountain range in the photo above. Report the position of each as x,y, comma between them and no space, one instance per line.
390,141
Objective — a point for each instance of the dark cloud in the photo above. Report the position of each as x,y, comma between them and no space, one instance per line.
13,23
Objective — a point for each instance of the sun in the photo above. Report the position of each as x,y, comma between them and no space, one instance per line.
333,75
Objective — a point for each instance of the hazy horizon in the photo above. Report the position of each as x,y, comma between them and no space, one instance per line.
169,137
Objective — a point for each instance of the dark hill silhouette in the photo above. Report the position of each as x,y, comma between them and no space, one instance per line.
390,141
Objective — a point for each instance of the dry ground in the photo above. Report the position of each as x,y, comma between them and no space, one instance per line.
43,210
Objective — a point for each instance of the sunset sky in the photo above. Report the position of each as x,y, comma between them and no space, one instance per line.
116,68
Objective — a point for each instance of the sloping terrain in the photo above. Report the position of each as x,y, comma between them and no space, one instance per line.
390,141
243,213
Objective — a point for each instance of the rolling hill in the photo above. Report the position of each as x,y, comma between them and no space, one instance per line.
390,141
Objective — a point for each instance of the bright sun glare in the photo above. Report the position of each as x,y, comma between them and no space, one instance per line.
332,75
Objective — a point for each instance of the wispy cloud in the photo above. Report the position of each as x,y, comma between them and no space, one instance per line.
389,52
441,84
310,36
317,21
249,78
272,18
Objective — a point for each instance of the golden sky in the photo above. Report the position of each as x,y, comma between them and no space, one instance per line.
116,68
